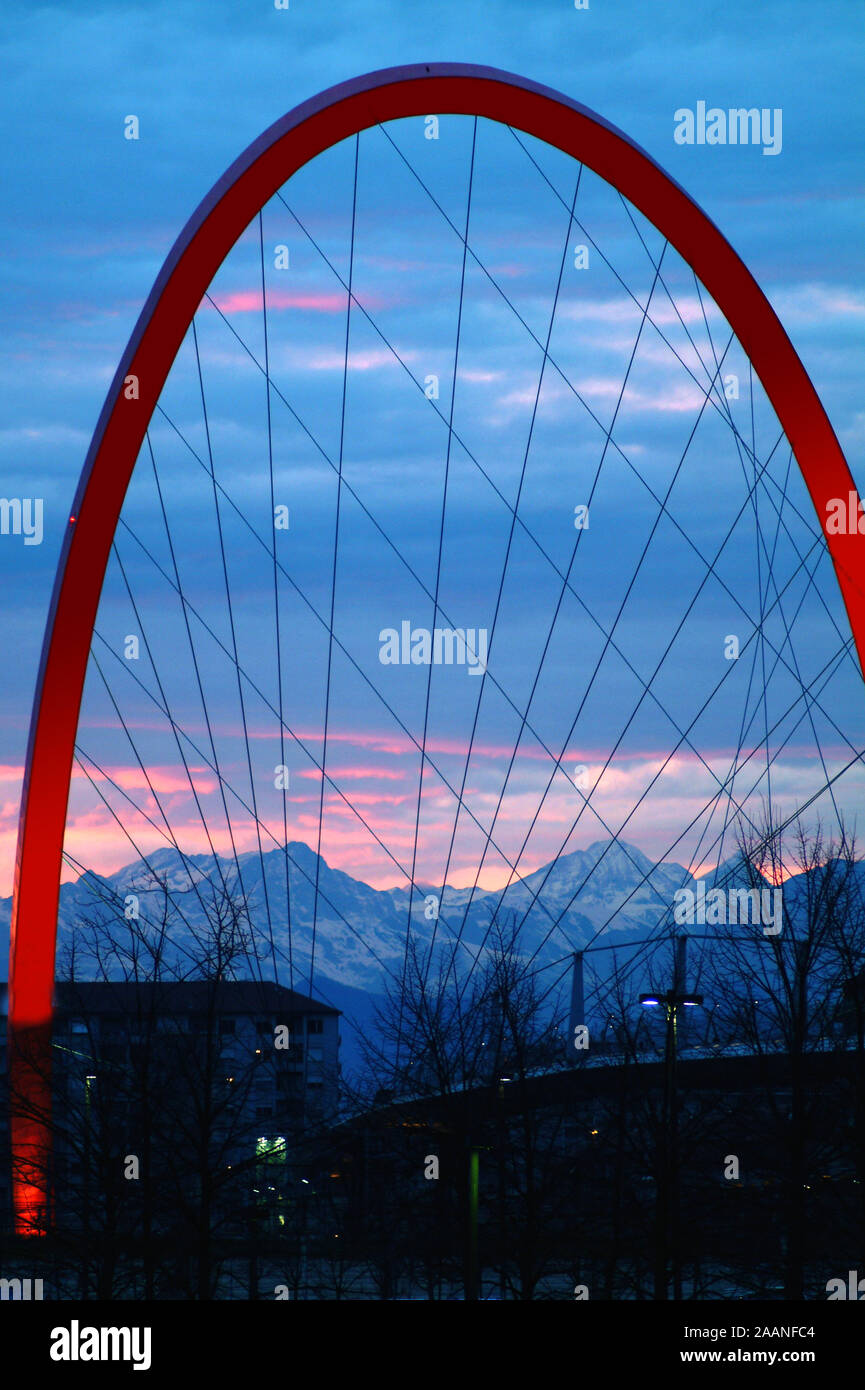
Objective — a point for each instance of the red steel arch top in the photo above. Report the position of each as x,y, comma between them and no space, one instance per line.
307,131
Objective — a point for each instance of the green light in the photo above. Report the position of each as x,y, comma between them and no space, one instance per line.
272,1149
474,1167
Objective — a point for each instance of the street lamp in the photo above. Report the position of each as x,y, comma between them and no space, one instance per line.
671,1000
668,1198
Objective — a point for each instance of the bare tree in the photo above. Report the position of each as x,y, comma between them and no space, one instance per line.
465,1052
155,1171
782,992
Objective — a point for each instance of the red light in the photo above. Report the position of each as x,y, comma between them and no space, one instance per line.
31,1197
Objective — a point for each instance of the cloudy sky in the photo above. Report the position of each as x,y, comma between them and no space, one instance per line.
606,664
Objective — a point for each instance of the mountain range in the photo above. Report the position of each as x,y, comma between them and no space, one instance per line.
360,931
610,892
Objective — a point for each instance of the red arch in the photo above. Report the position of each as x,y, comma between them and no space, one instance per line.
202,245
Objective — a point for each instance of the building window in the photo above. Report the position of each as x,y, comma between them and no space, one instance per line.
316,1054
226,1026
262,1025
315,1025
271,1148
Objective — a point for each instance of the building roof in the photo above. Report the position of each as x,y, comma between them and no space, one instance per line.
181,996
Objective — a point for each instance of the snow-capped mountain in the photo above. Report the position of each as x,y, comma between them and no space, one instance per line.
610,892
360,932
611,885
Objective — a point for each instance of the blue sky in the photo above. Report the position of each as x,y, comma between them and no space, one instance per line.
89,216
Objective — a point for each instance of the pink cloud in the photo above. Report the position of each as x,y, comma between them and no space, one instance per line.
682,398
337,805
508,270
350,774
312,301
391,743
687,309
368,361
161,779
475,374
681,792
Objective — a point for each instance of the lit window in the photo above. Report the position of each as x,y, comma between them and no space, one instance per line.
271,1149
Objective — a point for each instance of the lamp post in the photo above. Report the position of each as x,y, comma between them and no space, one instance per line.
472,1282
667,1234
303,1236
